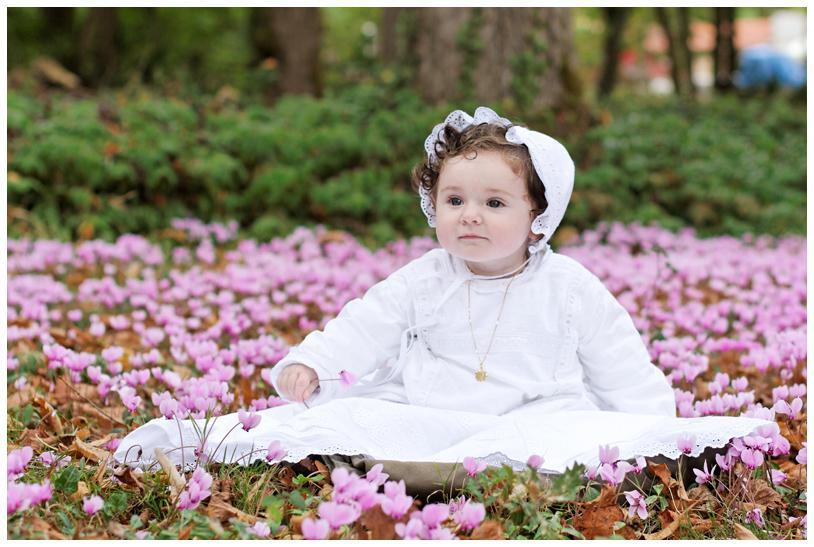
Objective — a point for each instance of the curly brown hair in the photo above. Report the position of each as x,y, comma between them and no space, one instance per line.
472,140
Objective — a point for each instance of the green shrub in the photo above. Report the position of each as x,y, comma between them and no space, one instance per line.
131,162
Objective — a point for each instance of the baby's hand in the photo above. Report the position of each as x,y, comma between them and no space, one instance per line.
297,382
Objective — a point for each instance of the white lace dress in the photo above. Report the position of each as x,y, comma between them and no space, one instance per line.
568,371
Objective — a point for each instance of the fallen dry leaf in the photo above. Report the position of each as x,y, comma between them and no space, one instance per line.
128,476
36,524
668,530
378,525
82,490
20,398
87,451
221,510
598,521
49,414
741,532
764,496
488,529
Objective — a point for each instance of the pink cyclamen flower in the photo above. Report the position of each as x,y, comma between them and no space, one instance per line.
608,454
434,514
703,476
802,455
751,458
413,529
337,514
376,476
791,410
591,472
129,398
637,504
275,451
755,516
535,461
473,466
92,505
777,476
21,496
724,461
248,419
640,466
612,474
260,529
347,378
470,515
685,443
18,460
315,529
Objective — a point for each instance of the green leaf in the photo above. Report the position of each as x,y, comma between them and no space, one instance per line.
67,479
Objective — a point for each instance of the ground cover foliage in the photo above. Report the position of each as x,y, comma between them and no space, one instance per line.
104,336
127,161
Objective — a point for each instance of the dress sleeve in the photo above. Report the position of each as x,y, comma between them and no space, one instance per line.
615,361
365,334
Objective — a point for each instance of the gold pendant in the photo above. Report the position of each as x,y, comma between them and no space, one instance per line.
480,375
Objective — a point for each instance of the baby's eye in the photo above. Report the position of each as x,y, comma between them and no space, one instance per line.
454,201
494,203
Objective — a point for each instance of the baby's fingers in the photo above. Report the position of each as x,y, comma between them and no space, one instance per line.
304,387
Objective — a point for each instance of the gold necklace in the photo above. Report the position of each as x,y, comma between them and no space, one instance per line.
480,374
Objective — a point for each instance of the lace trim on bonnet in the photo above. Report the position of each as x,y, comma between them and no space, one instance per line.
551,161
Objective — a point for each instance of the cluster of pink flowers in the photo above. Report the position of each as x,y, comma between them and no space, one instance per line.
352,495
21,496
611,469
197,489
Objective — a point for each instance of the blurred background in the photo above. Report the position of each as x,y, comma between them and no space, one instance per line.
120,119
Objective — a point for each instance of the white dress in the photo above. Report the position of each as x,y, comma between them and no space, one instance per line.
567,372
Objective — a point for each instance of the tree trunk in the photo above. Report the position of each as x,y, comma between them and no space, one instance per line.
291,36
676,52
724,57
615,19
99,46
57,32
684,48
524,55
388,33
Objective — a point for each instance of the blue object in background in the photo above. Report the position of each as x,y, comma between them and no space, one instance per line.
762,65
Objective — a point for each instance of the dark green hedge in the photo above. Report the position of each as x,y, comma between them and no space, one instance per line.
119,163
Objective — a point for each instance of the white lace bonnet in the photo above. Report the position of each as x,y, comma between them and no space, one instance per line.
551,160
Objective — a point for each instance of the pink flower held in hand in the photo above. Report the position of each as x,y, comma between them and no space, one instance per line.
608,454
473,466
337,514
275,452
248,419
535,461
92,505
637,504
346,378
314,529
685,443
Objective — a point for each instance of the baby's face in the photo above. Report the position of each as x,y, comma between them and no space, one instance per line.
483,213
